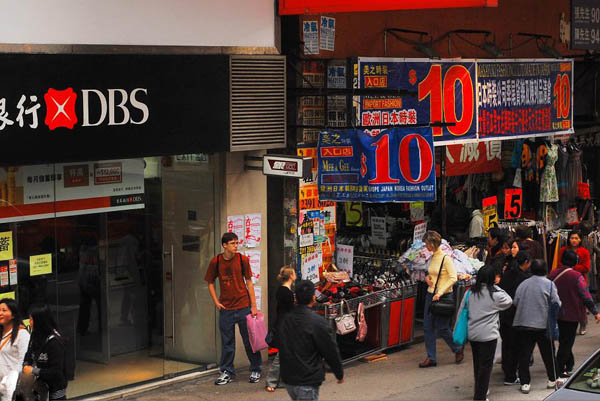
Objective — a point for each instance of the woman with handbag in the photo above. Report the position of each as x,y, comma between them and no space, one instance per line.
484,305
439,301
285,302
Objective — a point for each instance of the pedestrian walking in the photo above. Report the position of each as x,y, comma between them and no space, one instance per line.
285,302
484,304
306,338
235,302
515,274
441,279
532,300
575,298
15,338
583,264
45,358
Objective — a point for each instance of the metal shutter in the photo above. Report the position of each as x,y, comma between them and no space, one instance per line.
257,102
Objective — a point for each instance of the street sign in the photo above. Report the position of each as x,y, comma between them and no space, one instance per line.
287,166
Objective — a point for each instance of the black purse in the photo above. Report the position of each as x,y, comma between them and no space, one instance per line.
445,306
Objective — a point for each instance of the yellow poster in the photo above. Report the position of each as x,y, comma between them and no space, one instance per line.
9,295
354,214
6,245
40,264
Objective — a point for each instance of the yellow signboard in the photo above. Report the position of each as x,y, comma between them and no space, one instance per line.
490,213
6,245
40,264
9,295
354,214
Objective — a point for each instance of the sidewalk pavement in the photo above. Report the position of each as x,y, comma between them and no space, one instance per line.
397,378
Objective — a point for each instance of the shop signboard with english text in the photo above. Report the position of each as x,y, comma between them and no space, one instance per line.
524,98
395,165
443,93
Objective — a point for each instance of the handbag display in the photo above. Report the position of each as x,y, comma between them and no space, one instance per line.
345,323
445,305
461,329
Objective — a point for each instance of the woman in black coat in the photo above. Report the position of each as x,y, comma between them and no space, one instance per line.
45,358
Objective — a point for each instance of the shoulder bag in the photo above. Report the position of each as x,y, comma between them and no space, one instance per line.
553,308
461,329
445,305
345,322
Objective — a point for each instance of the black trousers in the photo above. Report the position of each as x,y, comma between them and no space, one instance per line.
510,352
483,362
526,341
566,339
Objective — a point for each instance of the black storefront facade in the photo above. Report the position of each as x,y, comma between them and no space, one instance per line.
117,177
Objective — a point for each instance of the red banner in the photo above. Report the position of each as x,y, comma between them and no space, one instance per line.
473,158
296,7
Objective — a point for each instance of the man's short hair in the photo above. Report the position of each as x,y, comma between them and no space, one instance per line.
228,237
569,258
305,291
539,267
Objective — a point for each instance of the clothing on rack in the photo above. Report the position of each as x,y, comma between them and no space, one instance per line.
562,182
574,173
548,182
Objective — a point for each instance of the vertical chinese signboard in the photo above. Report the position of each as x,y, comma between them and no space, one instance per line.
524,98
444,92
585,24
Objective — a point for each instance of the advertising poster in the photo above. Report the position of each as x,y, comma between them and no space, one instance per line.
327,41
444,92
311,37
254,258
6,245
235,224
345,258
40,264
396,165
310,266
253,228
524,98
58,190
420,230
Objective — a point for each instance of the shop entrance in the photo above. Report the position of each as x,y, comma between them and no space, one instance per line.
188,244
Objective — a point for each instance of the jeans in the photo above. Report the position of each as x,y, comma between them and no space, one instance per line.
227,322
273,376
483,362
566,339
434,326
526,340
308,393
510,352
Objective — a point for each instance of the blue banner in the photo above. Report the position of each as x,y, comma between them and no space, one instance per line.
444,92
395,165
524,98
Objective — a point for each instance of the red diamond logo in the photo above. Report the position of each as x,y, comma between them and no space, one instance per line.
60,108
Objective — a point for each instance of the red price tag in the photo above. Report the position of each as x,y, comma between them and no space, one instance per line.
513,203
583,190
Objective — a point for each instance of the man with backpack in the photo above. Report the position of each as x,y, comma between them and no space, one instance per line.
236,301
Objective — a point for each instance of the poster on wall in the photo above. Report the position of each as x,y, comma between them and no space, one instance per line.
252,229
58,190
310,266
519,98
235,224
443,92
254,259
396,165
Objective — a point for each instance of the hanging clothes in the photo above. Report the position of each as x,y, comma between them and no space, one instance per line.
548,183
563,186
574,173
528,168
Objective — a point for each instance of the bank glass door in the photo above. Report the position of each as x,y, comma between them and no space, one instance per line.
189,211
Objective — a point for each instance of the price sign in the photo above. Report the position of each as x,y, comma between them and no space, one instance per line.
354,214
513,203
490,213
583,190
572,217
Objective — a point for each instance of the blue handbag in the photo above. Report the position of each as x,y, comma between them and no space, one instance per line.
462,323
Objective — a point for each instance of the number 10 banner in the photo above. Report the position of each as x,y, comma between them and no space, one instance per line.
395,165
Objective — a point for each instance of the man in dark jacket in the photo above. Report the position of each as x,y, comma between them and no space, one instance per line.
574,297
305,340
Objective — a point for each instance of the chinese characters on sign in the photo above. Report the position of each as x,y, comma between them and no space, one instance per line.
310,267
311,37
327,41
235,224
585,24
6,245
345,258
252,229
473,158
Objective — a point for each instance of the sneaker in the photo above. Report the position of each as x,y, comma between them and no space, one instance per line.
254,377
525,388
225,378
582,332
512,383
551,384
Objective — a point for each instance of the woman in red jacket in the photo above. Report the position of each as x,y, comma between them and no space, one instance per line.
583,263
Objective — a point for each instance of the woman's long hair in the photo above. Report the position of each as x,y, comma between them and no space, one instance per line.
17,321
486,275
44,325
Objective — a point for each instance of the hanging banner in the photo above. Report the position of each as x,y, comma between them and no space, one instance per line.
395,165
519,98
473,158
444,92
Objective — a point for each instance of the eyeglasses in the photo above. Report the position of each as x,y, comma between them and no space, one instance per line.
233,243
